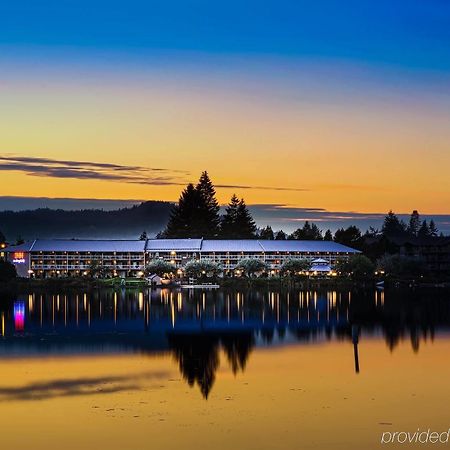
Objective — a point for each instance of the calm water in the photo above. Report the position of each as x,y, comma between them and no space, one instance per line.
222,369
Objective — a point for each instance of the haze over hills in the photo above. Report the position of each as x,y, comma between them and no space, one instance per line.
123,223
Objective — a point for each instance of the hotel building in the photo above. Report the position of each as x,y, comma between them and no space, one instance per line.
61,258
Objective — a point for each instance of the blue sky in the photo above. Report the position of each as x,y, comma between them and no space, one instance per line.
411,34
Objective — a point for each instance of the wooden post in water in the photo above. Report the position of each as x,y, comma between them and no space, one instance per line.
355,339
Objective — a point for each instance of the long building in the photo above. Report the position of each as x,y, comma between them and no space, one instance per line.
63,257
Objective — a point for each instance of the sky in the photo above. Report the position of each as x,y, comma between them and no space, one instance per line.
336,106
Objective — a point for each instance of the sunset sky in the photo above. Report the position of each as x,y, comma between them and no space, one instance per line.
337,105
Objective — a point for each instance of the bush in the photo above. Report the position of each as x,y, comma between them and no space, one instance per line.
160,267
250,266
7,271
294,265
202,268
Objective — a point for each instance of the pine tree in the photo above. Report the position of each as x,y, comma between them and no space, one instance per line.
210,208
309,232
350,236
186,218
392,226
433,229
246,226
266,233
328,236
424,231
230,218
237,223
414,223
280,236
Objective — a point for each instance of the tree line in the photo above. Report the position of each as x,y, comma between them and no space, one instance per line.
197,215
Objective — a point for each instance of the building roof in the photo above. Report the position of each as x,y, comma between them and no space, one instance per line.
231,245
164,245
306,246
75,245
194,245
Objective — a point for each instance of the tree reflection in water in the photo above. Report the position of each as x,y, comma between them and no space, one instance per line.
197,326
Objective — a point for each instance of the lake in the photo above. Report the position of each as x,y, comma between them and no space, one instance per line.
222,369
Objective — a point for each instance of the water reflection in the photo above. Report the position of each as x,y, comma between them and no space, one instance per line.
196,326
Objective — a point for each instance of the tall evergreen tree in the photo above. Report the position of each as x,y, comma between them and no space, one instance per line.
280,236
245,223
309,232
266,233
237,223
350,236
328,236
2,238
229,219
186,219
433,229
424,231
414,223
210,208
392,226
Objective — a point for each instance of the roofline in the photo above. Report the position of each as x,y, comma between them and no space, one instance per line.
259,243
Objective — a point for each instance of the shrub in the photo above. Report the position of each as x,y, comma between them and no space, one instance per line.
250,266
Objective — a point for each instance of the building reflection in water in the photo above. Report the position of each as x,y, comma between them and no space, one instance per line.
196,326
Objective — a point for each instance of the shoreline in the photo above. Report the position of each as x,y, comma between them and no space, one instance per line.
53,284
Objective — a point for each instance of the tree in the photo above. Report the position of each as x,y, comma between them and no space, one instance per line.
251,266
295,265
392,226
433,229
309,232
424,231
202,268
358,267
402,266
328,236
7,271
350,236
160,267
414,223
237,223
143,236
280,236
209,207
266,233
2,238
185,219
20,240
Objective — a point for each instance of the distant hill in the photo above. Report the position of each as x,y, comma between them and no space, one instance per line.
124,223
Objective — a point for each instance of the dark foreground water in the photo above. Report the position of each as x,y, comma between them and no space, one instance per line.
222,369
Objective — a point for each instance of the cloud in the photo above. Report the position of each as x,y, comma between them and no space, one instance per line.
89,170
